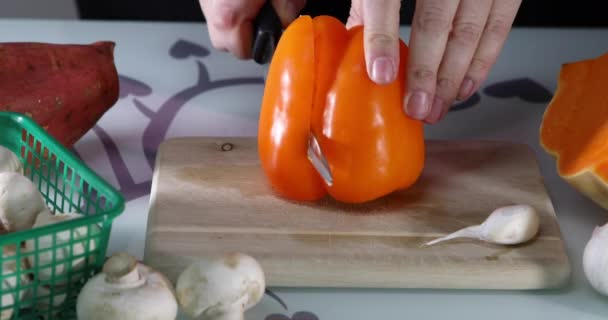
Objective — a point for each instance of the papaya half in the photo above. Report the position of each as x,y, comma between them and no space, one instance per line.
574,127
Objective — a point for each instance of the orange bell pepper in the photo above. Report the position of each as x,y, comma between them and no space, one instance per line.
317,81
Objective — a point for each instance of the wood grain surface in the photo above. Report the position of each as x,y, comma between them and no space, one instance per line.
210,196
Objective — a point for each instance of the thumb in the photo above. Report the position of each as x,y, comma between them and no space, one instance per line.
288,10
381,38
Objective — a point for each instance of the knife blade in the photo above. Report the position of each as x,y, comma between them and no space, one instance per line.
267,31
316,157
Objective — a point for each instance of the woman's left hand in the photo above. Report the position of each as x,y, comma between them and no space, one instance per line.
453,45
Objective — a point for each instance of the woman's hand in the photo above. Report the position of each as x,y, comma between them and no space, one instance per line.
230,22
453,45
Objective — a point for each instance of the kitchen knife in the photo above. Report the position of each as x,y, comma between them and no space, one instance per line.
267,31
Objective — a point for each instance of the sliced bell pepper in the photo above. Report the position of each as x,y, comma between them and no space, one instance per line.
317,81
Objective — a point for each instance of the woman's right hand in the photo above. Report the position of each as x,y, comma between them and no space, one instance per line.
230,22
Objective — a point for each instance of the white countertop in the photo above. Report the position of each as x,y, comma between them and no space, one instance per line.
166,59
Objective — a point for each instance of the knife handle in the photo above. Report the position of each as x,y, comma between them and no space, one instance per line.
267,29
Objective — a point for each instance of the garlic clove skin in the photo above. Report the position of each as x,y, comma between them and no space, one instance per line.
143,294
595,259
221,288
510,225
79,244
472,232
20,202
9,162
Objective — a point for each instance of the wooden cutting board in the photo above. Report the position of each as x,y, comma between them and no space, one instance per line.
210,196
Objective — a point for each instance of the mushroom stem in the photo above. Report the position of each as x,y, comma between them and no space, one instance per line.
121,269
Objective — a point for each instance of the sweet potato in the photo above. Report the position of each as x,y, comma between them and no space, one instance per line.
65,88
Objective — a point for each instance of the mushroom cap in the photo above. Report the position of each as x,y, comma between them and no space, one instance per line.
153,298
76,237
9,162
11,282
217,286
20,202
46,301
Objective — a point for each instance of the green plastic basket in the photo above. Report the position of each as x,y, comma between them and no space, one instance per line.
60,257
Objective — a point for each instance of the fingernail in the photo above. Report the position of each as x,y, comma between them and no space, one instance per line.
436,110
383,70
417,105
466,89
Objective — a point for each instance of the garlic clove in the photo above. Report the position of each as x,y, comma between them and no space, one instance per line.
20,202
506,225
78,238
9,162
511,225
147,295
595,259
221,288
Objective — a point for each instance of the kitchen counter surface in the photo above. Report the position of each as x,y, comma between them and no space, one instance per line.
173,83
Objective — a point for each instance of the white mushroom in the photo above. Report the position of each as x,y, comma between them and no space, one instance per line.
595,259
78,239
127,290
47,299
20,202
9,162
9,266
222,288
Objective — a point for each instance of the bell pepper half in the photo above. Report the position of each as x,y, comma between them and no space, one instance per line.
318,81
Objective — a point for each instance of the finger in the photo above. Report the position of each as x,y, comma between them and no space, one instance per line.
355,16
430,29
497,29
288,10
237,41
230,24
381,38
467,29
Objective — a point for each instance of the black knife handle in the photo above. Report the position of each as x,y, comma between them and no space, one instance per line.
267,30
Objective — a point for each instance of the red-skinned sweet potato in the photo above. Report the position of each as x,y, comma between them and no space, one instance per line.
65,88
